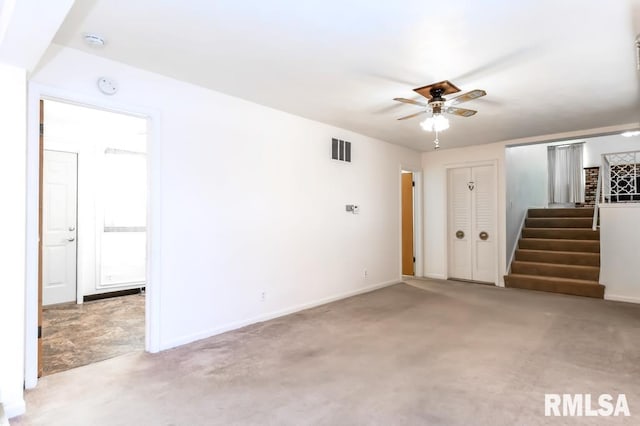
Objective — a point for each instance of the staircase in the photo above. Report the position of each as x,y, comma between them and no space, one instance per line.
559,253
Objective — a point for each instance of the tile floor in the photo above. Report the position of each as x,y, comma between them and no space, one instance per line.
76,335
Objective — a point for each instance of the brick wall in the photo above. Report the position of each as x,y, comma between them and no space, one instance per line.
590,185
591,181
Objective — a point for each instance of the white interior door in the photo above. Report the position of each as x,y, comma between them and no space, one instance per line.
471,223
483,217
59,222
460,234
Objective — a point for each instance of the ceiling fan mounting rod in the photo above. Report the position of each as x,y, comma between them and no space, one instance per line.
436,106
437,101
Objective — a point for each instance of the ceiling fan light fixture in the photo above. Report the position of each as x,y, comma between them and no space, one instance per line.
435,123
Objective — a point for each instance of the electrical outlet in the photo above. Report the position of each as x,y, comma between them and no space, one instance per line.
365,273
263,296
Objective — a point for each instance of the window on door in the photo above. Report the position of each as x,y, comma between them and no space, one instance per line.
123,231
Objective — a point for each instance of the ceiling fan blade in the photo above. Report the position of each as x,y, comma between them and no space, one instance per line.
465,97
410,101
462,112
406,117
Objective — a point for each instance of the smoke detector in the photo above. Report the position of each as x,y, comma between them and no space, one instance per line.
93,40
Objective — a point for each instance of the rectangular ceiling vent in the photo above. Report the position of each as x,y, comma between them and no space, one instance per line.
340,150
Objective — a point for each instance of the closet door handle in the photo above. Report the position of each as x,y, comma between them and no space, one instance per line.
484,236
460,235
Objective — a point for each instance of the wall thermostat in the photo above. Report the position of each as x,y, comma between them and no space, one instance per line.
352,208
107,86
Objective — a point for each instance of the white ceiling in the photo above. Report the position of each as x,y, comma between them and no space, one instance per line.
547,65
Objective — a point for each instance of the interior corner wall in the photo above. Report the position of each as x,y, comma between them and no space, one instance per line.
252,221
526,185
13,113
434,166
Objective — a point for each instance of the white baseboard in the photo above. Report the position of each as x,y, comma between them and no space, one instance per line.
271,315
13,409
617,298
436,276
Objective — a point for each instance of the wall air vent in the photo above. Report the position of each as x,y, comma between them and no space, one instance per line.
340,150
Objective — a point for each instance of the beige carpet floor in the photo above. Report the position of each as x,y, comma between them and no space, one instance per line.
432,353
74,335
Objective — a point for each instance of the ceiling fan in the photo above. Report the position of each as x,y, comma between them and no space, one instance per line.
437,105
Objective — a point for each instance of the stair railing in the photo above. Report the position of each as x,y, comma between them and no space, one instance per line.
596,201
618,180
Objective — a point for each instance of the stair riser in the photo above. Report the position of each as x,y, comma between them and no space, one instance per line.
581,259
574,222
567,245
552,270
578,212
595,290
561,234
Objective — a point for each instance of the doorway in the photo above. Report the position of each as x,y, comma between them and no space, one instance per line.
94,240
410,227
472,218
408,245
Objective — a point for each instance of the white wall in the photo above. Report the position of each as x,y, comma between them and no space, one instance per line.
619,254
526,185
12,254
250,201
88,132
434,166
595,147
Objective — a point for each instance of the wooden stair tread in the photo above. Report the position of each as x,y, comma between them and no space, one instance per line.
559,270
559,233
562,229
560,257
572,286
556,279
586,253
562,241
561,212
559,222
563,265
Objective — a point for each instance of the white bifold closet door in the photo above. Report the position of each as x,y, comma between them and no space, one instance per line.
471,230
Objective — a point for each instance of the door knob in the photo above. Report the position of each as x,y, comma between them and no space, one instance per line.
71,239
72,228
484,236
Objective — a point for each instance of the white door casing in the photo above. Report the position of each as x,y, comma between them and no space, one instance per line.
471,223
59,224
